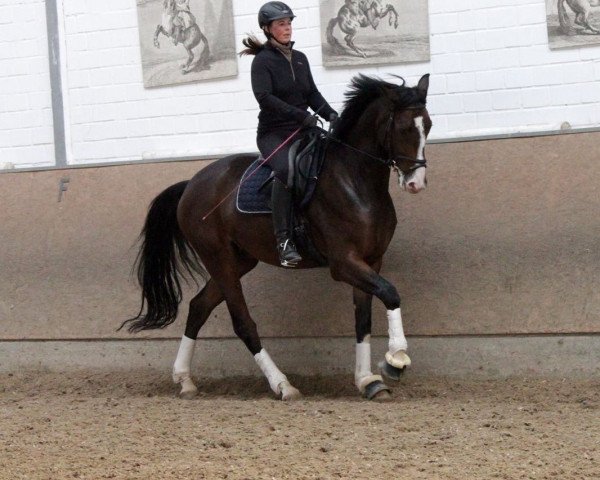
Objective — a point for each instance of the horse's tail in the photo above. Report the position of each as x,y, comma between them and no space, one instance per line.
331,40
164,256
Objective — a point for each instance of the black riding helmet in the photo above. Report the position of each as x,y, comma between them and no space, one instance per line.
273,11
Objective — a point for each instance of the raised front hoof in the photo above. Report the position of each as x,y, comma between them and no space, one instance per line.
377,391
289,393
390,372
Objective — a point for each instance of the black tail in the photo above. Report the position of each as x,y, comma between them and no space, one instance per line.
164,256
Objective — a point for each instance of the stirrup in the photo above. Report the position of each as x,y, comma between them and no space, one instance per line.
288,255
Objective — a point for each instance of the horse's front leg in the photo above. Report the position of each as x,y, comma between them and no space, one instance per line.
371,386
360,275
393,18
373,15
157,32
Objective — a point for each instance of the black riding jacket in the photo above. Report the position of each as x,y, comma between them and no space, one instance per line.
284,90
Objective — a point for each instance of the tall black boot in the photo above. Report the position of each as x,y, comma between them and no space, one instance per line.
281,200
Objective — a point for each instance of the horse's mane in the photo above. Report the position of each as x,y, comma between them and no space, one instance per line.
364,90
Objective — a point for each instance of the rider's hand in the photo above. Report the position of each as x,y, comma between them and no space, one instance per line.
333,118
309,121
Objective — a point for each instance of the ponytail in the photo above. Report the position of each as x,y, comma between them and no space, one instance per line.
253,46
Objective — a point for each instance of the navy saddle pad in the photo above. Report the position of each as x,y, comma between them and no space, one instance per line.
251,198
306,159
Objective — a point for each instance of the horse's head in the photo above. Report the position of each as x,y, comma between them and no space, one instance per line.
396,119
406,132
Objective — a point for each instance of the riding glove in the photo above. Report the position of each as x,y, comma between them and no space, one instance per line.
309,121
333,118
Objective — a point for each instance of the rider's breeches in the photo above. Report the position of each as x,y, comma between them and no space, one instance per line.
267,143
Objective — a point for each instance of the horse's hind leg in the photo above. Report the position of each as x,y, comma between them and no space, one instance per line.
201,307
584,21
185,68
224,268
350,42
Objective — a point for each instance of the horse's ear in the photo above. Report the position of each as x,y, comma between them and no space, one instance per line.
423,86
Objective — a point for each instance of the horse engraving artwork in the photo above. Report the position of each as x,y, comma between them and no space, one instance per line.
356,14
383,126
582,10
179,24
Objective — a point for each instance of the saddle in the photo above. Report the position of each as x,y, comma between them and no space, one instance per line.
306,159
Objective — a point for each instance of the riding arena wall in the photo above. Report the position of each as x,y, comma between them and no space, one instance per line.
496,262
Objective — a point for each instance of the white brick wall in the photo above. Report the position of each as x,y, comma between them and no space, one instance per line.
26,135
492,73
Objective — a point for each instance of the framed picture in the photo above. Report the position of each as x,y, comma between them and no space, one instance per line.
573,23
369,32
184,41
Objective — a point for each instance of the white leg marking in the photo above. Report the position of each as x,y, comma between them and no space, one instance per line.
183,367
277,380
396,356
362,373
396,331
183,362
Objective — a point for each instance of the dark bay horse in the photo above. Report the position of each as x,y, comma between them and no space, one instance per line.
351,218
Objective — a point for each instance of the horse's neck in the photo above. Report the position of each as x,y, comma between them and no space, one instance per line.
358,173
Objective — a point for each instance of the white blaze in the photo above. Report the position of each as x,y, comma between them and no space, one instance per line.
418,177
421,129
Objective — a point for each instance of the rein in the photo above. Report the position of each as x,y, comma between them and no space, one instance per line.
391,162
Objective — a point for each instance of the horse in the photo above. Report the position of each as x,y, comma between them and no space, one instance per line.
383,126
582,10
179,24
357,14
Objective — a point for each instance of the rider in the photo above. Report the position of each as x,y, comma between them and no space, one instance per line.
183,19
284,88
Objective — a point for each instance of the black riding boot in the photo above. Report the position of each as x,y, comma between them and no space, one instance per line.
281,199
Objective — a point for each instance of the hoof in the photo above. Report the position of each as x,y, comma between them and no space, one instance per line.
188,388
390,372
289,393
188,394
377,391
399,359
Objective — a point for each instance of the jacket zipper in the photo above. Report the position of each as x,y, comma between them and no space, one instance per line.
291,65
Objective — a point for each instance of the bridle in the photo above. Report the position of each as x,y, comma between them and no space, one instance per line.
393,160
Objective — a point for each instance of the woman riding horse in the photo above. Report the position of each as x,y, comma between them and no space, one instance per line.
352,220
284,88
